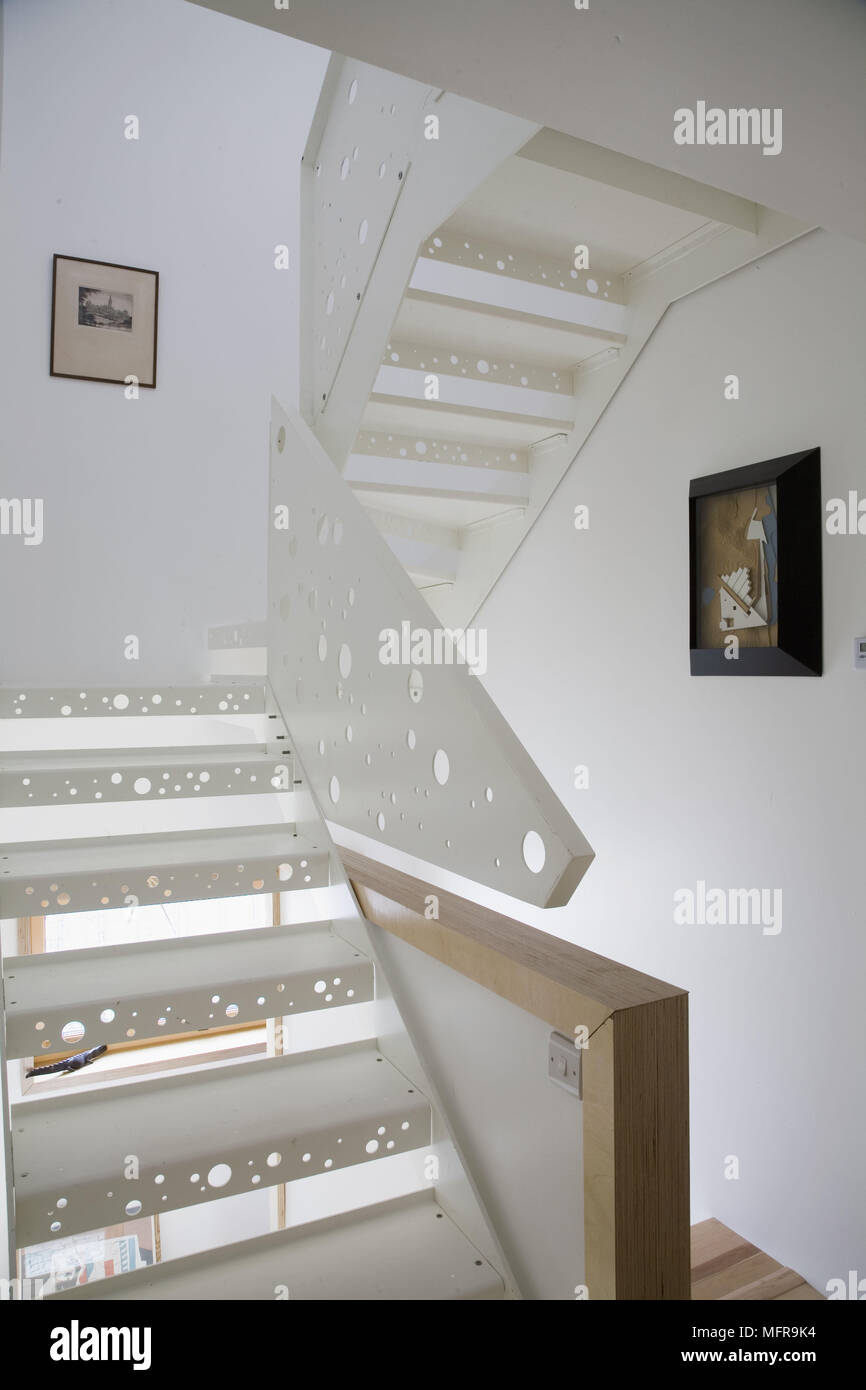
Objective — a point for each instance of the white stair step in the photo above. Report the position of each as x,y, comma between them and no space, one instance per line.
500,293
434,448
149,816
49,779
399,1251
238,651
240,663
153,987
180,731
460,326
200,1136
83,875
416,477
237,636
128,702
421,548
473,396
452,514
422,418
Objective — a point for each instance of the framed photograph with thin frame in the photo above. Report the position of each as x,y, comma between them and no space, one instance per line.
755,569
103,321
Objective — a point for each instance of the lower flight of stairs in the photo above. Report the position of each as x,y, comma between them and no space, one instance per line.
326,1117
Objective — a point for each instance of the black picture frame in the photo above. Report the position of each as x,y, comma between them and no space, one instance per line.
146,382
800,528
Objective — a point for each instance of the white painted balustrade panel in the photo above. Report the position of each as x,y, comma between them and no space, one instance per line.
415,755
388,159
369,121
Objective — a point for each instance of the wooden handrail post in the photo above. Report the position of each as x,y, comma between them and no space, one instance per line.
635,1069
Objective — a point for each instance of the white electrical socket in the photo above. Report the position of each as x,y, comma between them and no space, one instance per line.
564,1064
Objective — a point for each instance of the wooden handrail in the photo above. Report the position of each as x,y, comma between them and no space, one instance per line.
635,1068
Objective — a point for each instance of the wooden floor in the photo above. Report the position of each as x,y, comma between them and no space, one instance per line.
725,1266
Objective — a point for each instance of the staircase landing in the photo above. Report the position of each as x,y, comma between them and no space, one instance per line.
727,1267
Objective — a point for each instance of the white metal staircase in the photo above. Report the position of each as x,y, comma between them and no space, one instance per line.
455,354
476,289
330,1112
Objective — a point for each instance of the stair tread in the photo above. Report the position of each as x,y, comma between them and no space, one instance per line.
139,851
104,758
727,1267
332,1104
446,282
50,779
459,325
437,418
406,1249
83,875
176,980
462,394
238,636
118,701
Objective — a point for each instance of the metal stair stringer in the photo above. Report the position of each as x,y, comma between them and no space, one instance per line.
387,160
458,1190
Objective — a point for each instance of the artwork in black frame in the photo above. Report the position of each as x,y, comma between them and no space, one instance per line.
104,321
755,569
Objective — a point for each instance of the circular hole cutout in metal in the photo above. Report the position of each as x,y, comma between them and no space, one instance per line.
441,766
534,853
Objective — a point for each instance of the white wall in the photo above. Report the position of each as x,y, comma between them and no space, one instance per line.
154,509
743,783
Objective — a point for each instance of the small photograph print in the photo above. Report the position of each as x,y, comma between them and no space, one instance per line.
104,309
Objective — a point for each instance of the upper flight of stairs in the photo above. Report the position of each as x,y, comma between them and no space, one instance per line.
506,347
88,781
478,382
